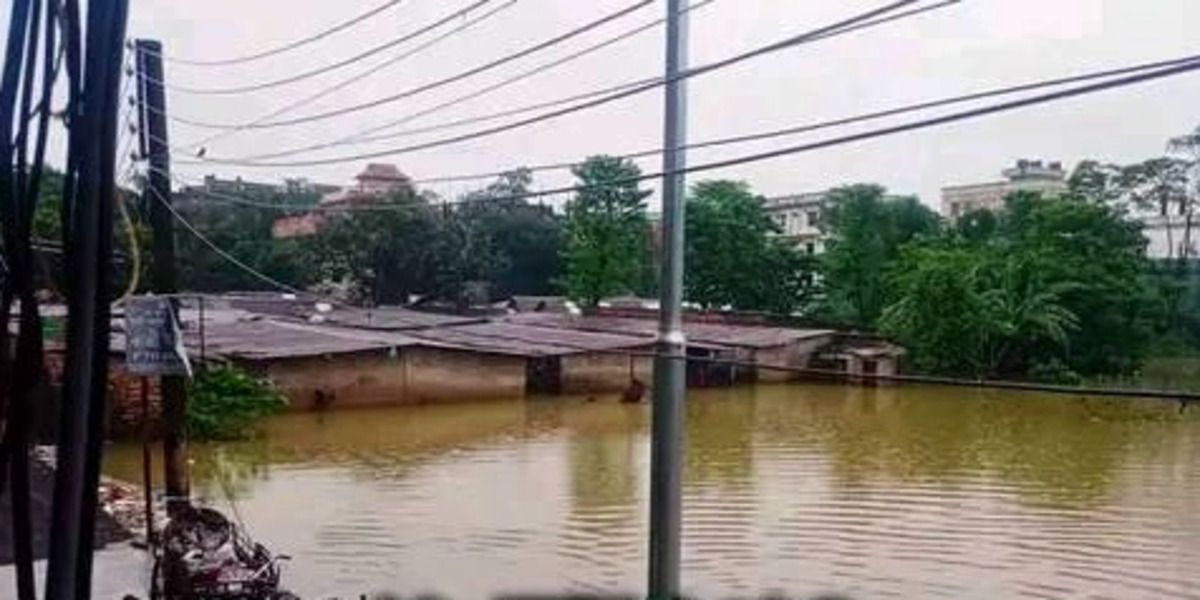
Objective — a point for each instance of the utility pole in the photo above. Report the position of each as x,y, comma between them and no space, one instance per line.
153,117
670,362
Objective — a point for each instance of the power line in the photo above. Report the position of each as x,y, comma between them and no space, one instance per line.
754,137
291,45
840,28
460,76
232,129
333,66
464,98
1175,67
810,127
215,248
494,87
647,82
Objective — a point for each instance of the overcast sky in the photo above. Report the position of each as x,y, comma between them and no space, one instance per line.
974,45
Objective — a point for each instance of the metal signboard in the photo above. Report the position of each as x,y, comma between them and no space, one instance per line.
153,338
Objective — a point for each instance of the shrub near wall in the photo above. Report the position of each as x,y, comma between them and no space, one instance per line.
227,403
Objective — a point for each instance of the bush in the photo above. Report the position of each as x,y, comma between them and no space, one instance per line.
226,403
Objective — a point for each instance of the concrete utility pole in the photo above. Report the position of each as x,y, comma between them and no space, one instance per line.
153,117
670,363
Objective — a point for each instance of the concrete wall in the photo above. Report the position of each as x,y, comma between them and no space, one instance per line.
603,372
779,355
443,375
364,379
797,354
414,376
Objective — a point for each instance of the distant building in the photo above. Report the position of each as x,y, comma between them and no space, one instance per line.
1171,236
1026,176
372,184
379,179
304,186
799,219
215,185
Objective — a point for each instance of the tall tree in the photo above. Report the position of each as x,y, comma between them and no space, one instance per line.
975,310
733,257
1057,289
866,230
506,240
387,254
606,237
1095,181
245,232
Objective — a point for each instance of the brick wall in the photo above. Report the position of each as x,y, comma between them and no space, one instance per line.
124,418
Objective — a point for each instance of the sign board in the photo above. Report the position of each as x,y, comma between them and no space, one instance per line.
153,338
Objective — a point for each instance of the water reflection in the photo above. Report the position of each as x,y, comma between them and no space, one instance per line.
902,492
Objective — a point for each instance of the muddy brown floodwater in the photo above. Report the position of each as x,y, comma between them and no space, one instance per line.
889,493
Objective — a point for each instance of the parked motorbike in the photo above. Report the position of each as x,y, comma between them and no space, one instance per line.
216,559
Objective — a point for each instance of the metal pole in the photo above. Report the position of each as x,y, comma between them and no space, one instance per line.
670,366
174,392
147,463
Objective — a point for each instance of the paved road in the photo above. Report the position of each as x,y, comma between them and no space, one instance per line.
119,570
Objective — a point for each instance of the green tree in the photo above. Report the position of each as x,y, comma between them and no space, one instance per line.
1096,256
387,253
505,240
733,257
606,232
866,230
227,403
1056,289
245,232
1095,181
47,234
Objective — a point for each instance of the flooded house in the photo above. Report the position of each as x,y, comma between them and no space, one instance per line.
719,353
351,359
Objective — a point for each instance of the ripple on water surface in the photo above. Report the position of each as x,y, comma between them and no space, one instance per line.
904,492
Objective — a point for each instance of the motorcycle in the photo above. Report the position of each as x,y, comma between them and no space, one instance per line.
216,560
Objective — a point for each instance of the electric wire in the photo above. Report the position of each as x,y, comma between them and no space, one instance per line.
288,46
472,95
755,137
361,135
835,29
305,75
287,108
1173,68
439,83
217,249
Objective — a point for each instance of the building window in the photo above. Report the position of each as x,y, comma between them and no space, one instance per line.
810,248
814,218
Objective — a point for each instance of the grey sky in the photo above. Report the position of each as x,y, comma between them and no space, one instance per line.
977,44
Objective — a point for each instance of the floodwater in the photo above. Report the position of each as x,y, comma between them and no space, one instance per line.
875,493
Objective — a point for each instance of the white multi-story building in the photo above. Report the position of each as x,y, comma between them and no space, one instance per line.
1171,236
1027,176
799,219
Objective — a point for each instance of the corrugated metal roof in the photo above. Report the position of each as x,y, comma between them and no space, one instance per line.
394,319
264,339
384,318
703,333
515,339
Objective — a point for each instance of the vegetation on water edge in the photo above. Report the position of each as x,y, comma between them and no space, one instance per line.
227,403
